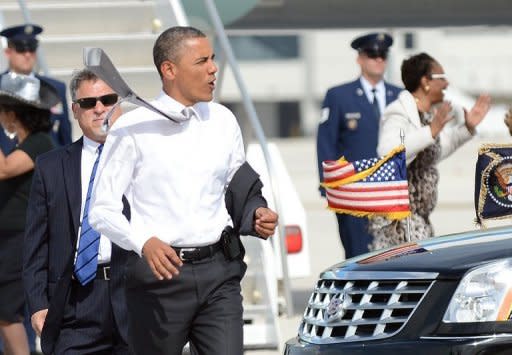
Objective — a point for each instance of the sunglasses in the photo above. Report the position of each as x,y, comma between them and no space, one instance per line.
376,53
441,76
90,102
22,47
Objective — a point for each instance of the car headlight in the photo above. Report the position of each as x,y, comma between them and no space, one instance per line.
483,295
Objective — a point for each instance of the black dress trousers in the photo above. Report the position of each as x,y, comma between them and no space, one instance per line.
203,305
88,324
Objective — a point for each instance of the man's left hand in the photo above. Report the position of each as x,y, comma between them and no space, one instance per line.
265,222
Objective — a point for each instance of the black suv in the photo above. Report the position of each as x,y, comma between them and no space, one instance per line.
446,295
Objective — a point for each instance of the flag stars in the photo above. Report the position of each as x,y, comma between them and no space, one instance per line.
388,171
364,164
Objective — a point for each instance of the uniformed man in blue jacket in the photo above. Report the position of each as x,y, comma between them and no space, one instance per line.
349,124
21,56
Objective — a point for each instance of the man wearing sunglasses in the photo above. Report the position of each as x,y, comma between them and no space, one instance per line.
73,276
349,125
21,54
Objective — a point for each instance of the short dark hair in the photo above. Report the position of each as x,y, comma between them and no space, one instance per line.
77,78
170,42
414,68
31,118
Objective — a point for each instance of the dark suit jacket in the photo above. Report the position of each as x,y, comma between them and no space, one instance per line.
53,218
243,197
61,126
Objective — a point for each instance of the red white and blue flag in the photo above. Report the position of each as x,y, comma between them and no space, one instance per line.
368,187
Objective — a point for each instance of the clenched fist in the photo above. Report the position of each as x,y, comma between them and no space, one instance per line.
265,222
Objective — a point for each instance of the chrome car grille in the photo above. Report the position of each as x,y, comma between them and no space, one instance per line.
361,309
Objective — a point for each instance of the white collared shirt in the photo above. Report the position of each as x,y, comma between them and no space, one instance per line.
30,75
177,174
380,91
89,154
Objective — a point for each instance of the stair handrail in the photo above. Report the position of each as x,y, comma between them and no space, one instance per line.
260,135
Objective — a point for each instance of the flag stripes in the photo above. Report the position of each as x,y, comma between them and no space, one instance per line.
368,187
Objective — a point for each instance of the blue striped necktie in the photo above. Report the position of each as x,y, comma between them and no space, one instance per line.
87,256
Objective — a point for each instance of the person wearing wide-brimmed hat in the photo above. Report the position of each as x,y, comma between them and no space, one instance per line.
21,55
25,104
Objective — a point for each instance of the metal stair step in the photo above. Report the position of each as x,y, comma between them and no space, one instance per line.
100,16
125,50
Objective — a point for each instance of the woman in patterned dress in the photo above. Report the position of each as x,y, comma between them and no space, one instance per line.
25,104
432,132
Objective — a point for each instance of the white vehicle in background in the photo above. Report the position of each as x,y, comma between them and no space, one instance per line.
262,284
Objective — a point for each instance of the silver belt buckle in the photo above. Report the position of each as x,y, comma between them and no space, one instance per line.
106,271
182,257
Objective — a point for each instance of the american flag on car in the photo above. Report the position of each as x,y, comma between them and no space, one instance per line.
368,187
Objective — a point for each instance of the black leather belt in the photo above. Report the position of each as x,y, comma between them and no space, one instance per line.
190,254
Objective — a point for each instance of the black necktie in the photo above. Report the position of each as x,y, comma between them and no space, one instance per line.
375,103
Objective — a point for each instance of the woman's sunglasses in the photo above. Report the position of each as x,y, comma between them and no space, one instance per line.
90,102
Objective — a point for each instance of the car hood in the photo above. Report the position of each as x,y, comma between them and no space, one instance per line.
449,256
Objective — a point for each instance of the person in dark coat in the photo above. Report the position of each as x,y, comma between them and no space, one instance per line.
25,111
349,125
21,55
74,315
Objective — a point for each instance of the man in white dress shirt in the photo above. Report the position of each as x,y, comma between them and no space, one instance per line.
183,281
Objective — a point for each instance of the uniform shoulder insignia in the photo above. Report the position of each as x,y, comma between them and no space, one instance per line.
325,115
